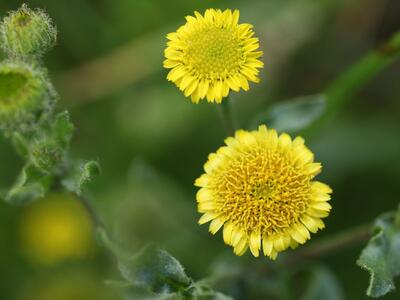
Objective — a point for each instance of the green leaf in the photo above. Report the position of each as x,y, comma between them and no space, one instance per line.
156,270
20,144
30,185
81,174
381,256
292,115
323,285
62,129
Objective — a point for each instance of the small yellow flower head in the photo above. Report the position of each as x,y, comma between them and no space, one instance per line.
213,54
260,189
56,229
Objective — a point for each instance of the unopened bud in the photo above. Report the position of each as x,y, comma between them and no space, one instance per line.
27,33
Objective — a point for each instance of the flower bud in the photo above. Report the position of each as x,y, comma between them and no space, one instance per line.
25,94
45,155
27,33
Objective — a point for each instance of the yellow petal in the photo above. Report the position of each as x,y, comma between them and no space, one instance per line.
216,225
227,233
207,217
310,223
284,141
202,181
317,213
237,235
320,187
267,245
312,169
204,194
321,206
206,206
255,243
241,247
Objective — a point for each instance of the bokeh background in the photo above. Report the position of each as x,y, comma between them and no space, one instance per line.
152,142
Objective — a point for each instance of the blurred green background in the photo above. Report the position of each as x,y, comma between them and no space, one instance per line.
152,142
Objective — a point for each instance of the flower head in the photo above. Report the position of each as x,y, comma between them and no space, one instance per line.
56,229
213,54
260,189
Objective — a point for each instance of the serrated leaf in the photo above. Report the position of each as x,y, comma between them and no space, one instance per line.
292,115
156,270
81,174
323,285
30,185
381,256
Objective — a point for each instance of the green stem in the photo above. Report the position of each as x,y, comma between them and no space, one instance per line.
225,114
360,74
94,216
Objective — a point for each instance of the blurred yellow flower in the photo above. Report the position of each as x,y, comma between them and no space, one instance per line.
213,54
260,189
56,229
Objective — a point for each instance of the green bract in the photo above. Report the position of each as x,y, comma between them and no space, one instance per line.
27,33
24,95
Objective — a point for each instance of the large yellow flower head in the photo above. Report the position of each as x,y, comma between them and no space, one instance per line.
213,54
260,189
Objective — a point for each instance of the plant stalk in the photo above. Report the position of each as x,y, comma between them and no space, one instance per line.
226,117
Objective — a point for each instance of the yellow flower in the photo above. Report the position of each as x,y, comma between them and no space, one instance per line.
213,54
260,189
56,229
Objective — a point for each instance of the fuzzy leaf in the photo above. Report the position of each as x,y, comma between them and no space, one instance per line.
292,115
156,270
381,256
80,176
30,185
62,129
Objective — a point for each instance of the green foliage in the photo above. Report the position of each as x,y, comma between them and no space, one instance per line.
156,269
80,174
62,129
30,185
292,115
27,33
49,149
381,256
153,273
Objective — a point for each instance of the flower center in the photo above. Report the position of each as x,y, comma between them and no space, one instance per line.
263,190
213,53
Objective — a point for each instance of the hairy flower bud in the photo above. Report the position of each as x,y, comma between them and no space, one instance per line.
25,94
45,155
27,33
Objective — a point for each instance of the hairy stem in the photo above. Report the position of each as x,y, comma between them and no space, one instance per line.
96,220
